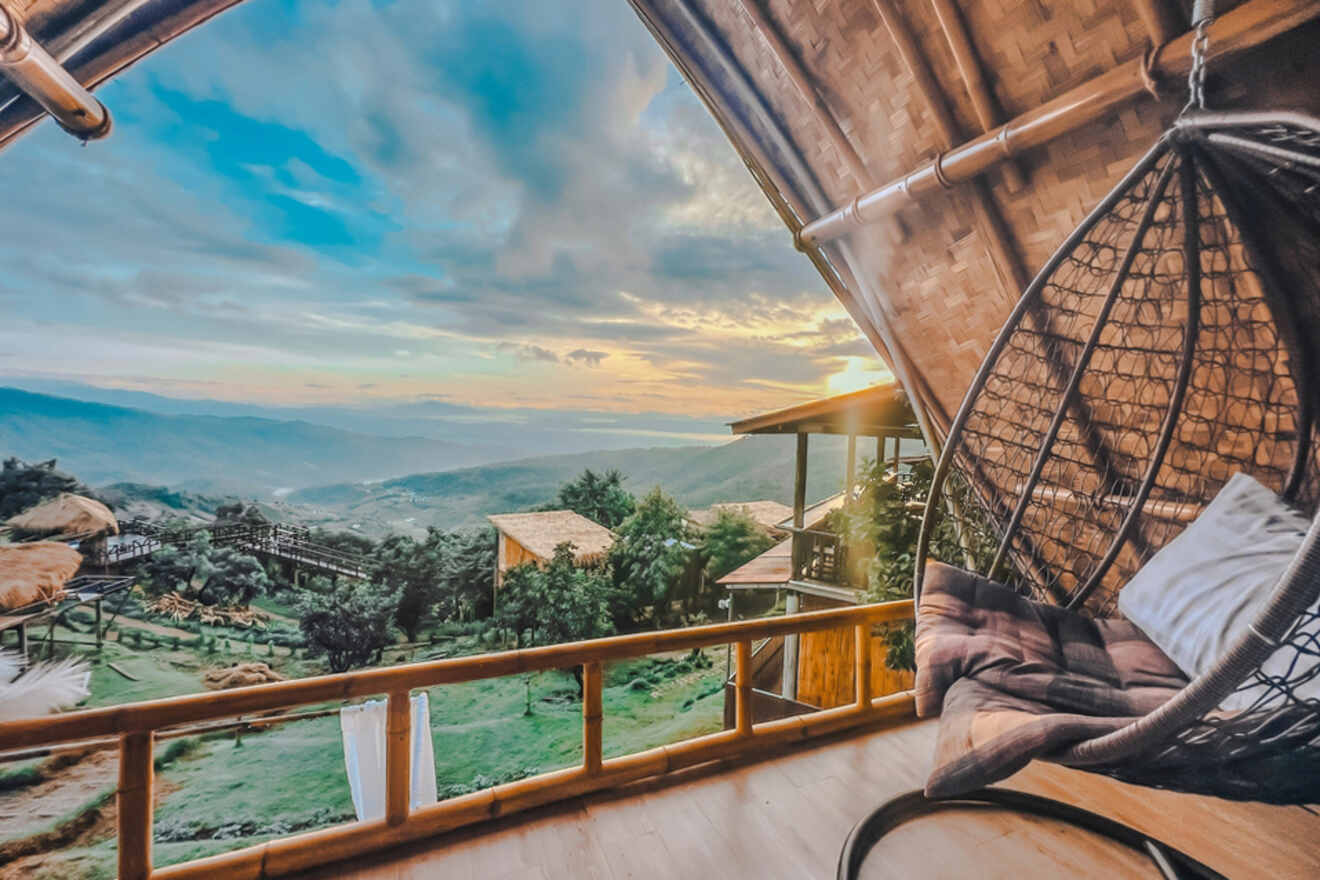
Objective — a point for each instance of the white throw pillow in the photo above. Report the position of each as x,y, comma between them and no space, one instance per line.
1201,591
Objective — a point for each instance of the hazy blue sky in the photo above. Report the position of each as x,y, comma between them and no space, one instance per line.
512,203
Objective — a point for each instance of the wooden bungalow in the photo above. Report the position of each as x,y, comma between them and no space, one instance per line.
927,157
815,671
532,538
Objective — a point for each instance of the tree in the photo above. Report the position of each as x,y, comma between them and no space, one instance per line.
601,498
574,601
350,622
233,578
562,603
732,539
23,485
239,512
469,575
650,555
344,541
175,567
516,611
415,571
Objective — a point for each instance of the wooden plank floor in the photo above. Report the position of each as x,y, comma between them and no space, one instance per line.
787,817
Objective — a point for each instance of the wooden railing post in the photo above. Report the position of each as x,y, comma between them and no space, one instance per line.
862,663
591,717
133,805
398,757
742,681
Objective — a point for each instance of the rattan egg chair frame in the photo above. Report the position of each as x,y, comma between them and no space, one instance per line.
1169,343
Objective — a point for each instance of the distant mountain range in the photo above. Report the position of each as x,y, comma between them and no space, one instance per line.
749,469
185,463
499,433
223,454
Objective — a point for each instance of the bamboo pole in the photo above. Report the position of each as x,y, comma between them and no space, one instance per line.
592,713
398,757
133,805
993,229
973,76
862,664
1162,20
742,690
1245,27
193,708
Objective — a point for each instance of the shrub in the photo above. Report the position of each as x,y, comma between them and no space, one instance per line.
175,750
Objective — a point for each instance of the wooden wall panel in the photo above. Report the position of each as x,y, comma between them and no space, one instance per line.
826,663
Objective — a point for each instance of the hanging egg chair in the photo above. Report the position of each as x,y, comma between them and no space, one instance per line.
1168,344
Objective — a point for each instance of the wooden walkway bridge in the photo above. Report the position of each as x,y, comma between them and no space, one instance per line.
293,544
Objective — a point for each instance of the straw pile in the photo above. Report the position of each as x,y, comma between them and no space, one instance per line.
35,572
240,675
67,515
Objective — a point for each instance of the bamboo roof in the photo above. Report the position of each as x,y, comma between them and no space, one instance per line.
34,572
815,514
541,532
881,408
928,156
68,516
772,569
767,514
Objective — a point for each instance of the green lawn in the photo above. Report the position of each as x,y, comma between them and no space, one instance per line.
292,778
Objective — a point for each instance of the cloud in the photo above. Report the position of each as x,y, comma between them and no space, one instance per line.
586,356
528,352
302,195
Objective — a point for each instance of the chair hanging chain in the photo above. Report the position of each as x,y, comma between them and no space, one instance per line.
1203,13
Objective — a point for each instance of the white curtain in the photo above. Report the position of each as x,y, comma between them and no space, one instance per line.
363,727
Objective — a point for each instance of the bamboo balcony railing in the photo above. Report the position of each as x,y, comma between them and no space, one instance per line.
137,725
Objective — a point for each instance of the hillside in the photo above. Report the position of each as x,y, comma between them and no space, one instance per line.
748,469
220,454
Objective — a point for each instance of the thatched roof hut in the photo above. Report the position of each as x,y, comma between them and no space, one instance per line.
67,516
34,572
767,514
541,532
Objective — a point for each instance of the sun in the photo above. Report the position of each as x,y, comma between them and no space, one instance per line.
858,374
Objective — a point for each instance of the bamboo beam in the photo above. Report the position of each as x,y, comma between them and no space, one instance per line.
193,708
592,712
133,805
862,664
398,757
800,482
1162,20
742,690
850,467
1245,27
985,106
993,229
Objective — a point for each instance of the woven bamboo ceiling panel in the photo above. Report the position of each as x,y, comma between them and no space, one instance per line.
799,86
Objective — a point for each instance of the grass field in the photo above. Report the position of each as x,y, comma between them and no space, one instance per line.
226,794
